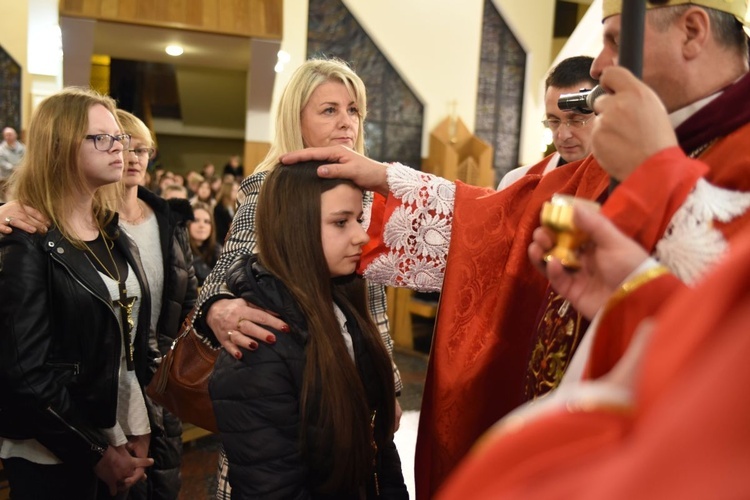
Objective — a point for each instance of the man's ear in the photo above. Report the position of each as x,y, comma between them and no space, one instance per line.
696,26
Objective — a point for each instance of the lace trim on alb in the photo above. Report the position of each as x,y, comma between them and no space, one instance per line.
691,243
418,232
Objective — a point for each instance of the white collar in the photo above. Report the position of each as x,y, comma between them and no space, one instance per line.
680,116
341,317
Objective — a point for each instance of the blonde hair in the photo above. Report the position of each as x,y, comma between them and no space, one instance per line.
134,126
50,178
308,77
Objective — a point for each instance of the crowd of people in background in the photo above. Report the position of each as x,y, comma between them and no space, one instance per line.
11,153
213,199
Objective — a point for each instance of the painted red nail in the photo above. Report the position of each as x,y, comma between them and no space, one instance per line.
285,328
271,339
253,346
238,355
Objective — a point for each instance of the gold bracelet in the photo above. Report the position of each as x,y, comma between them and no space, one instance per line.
634,283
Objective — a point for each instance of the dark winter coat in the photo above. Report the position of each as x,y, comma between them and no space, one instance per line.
222,222
256,402
179,295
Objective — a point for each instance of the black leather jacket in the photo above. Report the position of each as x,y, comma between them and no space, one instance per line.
60,344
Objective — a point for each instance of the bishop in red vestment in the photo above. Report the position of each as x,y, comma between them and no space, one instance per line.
491,295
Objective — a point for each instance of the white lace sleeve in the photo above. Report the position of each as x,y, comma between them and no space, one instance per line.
692,244
418,233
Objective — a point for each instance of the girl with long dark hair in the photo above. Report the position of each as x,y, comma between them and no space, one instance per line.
313,414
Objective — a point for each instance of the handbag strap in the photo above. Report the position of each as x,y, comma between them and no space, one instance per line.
187,327
162,374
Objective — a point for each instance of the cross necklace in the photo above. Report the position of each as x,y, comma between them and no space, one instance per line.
124,302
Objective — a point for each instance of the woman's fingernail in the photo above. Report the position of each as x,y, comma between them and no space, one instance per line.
238,355
271,339
285,328
253,346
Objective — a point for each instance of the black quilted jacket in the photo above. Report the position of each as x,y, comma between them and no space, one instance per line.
256,402
178,297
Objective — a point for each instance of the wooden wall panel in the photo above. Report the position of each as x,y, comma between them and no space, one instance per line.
109,8
255,152
176,11
210,10
144,9
194,14
73,5
249,18
161,13
267,15
128,9
232,15
92,6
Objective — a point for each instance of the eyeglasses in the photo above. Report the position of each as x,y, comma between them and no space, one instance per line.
143,152
553,124
104,142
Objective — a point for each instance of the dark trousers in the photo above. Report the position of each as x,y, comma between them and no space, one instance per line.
30,481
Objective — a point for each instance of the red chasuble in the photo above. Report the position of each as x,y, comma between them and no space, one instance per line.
490,301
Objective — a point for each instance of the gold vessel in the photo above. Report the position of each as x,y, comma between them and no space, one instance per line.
557,215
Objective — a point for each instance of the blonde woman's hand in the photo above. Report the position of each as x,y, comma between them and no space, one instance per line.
237,323
14,215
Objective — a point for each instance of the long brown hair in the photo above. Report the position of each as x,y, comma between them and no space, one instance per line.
288,226
207,249
224,196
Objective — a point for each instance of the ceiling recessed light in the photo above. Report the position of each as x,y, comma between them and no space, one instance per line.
174,50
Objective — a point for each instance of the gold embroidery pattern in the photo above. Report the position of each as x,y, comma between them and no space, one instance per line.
557,336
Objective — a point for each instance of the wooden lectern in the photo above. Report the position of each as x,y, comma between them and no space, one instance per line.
457,154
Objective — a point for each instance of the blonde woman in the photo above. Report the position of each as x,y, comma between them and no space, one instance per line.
159,228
